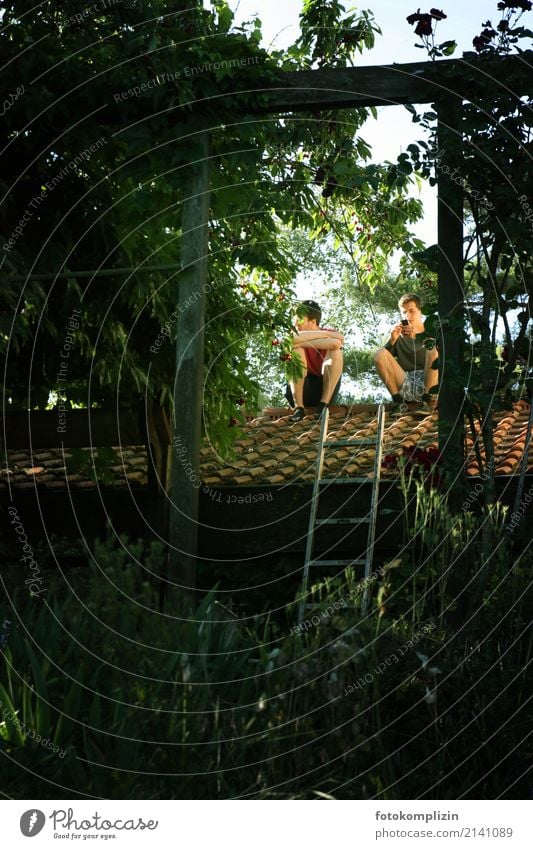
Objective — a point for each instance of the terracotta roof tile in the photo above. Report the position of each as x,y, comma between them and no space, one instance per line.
274,450
275,479
18,456
294,453
241,479
141,477
226,472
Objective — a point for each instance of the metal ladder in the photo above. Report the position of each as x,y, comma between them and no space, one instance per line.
370,519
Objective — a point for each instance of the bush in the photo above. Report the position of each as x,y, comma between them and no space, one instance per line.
147,703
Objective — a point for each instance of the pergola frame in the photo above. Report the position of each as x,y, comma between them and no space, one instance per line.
407,84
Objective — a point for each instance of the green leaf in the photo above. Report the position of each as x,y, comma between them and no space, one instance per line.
448,47
429,257
14,732
225,18
42,711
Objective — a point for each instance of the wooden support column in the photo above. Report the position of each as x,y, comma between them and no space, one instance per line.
451,292
189,377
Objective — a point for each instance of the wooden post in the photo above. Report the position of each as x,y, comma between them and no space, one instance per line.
188,386
451,293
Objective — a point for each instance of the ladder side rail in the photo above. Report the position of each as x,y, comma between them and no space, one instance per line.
375,490
313,511
374,504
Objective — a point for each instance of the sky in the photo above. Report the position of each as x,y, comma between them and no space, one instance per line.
280,24
390,134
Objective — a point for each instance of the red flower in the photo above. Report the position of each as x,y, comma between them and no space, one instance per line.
424,26
483,39
515,4
412,18
436,13
285,357
390,461
425,459
275,342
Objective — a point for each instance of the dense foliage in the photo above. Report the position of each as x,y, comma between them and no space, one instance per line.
425,697
489,162
94,173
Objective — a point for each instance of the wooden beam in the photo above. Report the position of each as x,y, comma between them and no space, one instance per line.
188,386
451,293
383,85
95,273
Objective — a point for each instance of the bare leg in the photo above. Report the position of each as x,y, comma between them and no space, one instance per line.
431,375
297,387
331,373
389,370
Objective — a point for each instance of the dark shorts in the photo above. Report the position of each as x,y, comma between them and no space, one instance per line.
312,391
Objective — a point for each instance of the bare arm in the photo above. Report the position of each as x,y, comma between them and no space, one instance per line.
321,339
397,331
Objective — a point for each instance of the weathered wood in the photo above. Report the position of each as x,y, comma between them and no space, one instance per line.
451,293
94,273
385,85
188,386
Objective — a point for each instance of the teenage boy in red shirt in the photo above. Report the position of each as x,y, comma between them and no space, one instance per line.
320,352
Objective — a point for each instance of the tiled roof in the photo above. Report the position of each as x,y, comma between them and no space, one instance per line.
47,471
275,451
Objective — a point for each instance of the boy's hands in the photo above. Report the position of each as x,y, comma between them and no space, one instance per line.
400,330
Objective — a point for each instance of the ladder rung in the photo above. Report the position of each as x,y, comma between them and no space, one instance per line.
337,562
346,480
374,480
354,442
343,521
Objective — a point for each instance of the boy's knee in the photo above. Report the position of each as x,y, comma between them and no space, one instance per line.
380,354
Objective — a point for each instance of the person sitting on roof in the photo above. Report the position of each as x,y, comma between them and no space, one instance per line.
405,364
319,349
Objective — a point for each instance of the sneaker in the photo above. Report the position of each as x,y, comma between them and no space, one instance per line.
397,408
298,415
427,405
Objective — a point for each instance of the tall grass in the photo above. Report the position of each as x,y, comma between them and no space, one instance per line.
167,704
